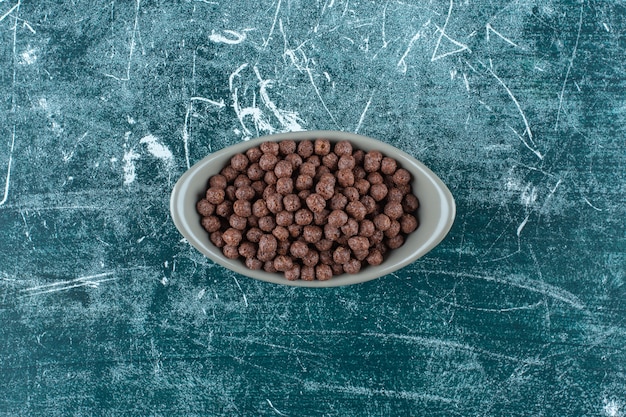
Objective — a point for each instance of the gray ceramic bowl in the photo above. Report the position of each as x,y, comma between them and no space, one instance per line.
436,212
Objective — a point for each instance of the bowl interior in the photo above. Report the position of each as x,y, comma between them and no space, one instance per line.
436,213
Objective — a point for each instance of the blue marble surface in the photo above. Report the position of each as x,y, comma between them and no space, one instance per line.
519,106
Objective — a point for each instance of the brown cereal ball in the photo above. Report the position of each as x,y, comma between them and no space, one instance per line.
267,223
269,190
343,148
369,203
331,233
358,243
204,208
291,202
351,193
337,269
345,177
311,234
321,218
395,242
304,194
311,258
258,187
382,222
360,255
242,208
295,230
322,147
378,191
362,186
324,244
303,217
253,221
393,230
294,159
377,237
359,156
325,188
359,173
304,182
274,203
299,249
405,189
229,173
401,177
353,266
232,236
254,234
237,222
367,228
316,203
284,186
271,148
284,218
245,193
230,252
305,148
239,162
259,208
393,210
286,147
307,273
308,169
388,166
330,161
230,192
218,181
268,244
216,239
255,172
337,218
410,203
408,223
372,160
321,171
247,250
265,256
225,209
270,178
268,266
254,264
283,169
374,258
293,274
346,162
341,255
215,195
281,233
338,201
268,161
342,240
326,258
315,160
375,178
254,154
357,210
395,195
211,223
351,228
283,247
283,263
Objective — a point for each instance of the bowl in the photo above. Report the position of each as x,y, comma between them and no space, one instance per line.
435,214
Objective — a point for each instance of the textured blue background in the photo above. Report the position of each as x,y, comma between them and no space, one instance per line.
519,106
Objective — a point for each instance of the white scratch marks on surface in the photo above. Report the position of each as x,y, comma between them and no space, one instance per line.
129,166
131,48
401,62
319,95
591,205
466,82
442,34
157,149
269,36
234,40
612,408
536,152
92,281
288,120
274,408
9,165
245,299
569,67
521,226
490,28
367,106
15,7
218,104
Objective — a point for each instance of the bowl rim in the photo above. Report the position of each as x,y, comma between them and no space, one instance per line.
187,179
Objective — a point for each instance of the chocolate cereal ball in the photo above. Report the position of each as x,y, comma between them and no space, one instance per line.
330,161
358,243
271,148
287,147
316,202
357,210
294,159
283,263
254,234
239,162
299,249
388,166
343,148
401,177
346,162
254,154
242,208
338,201
353,266
232,236
345,178
255,172
230,251
341,255
293,273
267,223
283,169
254,264
323,272
215,195
311,258
284,186
374,257
322,147
337,218
218,181
259,208
410,203
395,242
393,210
311,234
205,208
291,202
378,191
211,223
284,218
247,249
382,222
307,273
408,223
304,182
305,148
372,160
303,217
216,239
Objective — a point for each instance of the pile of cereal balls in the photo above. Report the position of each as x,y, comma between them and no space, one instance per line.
309,210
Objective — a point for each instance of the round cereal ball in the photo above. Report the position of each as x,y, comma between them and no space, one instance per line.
239,162
357,210
308,169
247,250
254,154
224,209
369,203
294,159
341,255
268,161
304,194
258,187
283,247
253,221
284,218
269,190
372,160
395,242
337,269
353,266
286,147
232,236
395,195
254,264
305,148
291,202
366,228
316,202
311,258
267,223
268,266
346,162
351,228
274,203
338,201
343,148
304,182
322,147
323,244
295,230
281,233
293,274
283,263
299,249
218,181
204,208
230,192
307,273
321,218
231,252
345,178
377,237
359,172
360,255
254,234
283,169
237,222
388,166
337,218
382,222
259,208
375,178
378,191
358,243
266,256
311,234
408,223
268,243
410,203
374,258
215,195
216,239
401,177
270,177
271,148
245,193
330,161
255,172
325,188
362,186
284,186
321,171
331,233
393,230
242,208
323,272
211,223
352,193
229,173
303,217
393,210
